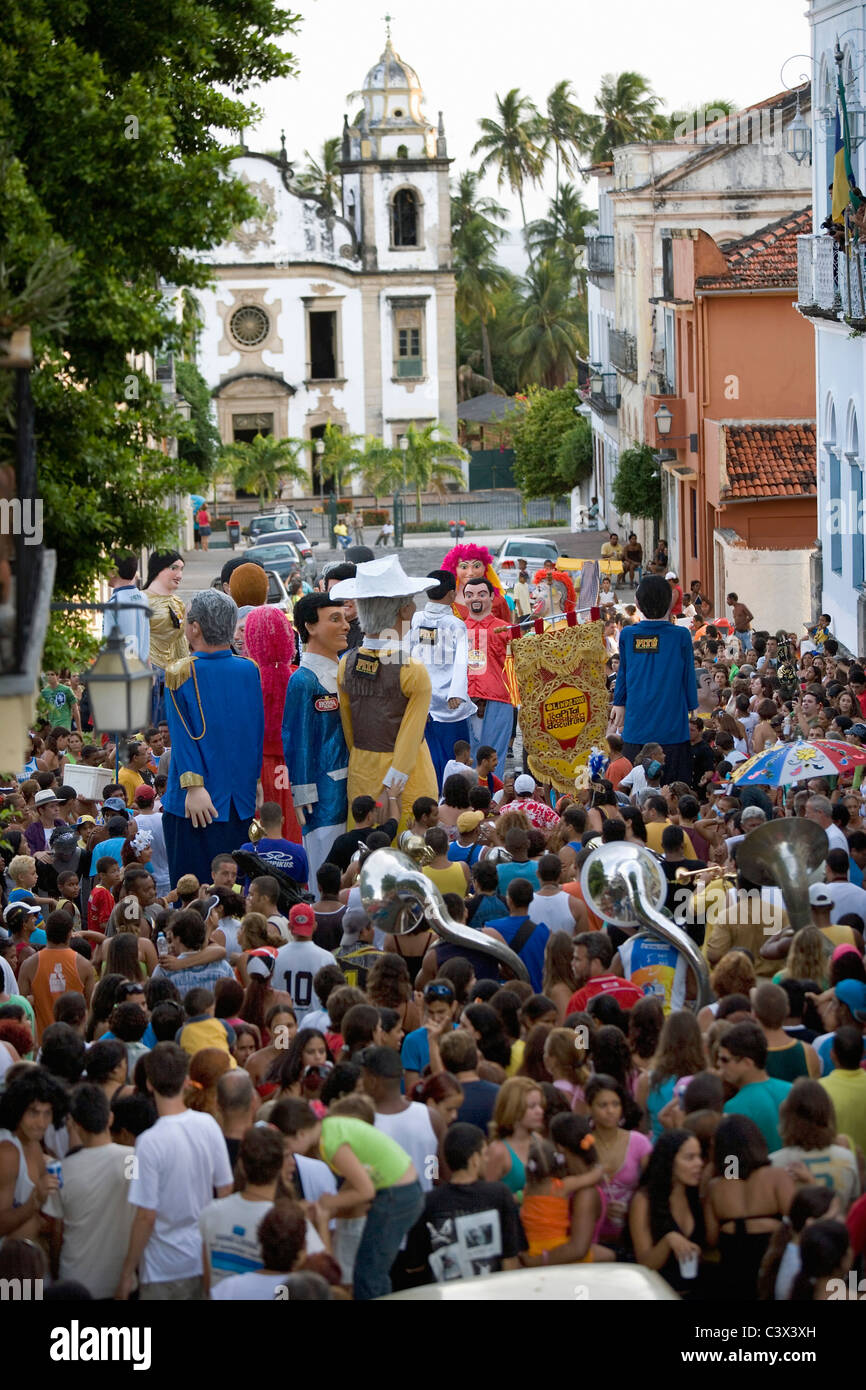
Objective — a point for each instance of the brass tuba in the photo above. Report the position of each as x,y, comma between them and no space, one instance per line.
624,883
390,881
783,854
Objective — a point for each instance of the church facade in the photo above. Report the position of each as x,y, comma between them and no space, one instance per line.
346,317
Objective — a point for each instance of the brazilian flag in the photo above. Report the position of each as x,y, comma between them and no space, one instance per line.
843,173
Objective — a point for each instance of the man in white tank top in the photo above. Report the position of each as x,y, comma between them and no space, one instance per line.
551,906
411,1125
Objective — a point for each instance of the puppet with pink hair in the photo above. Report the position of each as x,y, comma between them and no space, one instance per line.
475,562
270,642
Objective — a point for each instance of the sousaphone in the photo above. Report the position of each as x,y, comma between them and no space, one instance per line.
784,854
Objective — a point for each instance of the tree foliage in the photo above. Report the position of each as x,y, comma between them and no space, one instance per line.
110,160
263,465
198,439
552,445
637,487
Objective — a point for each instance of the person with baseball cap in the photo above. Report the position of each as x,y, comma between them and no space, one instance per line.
297,962
525,800
467,848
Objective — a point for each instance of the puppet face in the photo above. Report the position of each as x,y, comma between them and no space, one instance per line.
327,637
548,596
477,598
468,570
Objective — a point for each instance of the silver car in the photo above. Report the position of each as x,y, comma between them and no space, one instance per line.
533,549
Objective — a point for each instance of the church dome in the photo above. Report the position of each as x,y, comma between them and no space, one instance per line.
392,92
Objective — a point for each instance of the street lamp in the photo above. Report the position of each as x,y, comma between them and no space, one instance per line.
319,449
119,686
596,382
798,137
664,419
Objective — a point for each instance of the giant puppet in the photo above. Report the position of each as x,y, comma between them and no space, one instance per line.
439,640
493,721
384,693
216,721
475,562
270,642
315,750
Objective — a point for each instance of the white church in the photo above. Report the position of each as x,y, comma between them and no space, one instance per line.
347,318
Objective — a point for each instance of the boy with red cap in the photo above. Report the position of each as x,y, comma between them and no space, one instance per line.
297,962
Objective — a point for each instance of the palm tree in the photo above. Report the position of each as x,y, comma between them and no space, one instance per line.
467,206
263,465
382,467
548,341
564,125
341,457
627,107
424,461
513,144
322,176
564,229
691,118
478,278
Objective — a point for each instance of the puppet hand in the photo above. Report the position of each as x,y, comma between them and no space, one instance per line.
199,807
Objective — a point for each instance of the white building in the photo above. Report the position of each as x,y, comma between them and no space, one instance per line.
729,179
347,318
831,294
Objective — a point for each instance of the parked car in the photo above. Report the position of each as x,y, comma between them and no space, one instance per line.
278,594
280,556
534,549
294,535
268,522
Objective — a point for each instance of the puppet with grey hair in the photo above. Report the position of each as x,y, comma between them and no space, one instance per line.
384,693
216,720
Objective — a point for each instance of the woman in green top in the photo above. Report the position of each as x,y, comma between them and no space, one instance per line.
374,1169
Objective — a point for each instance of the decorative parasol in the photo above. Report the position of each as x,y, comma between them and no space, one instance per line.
787,764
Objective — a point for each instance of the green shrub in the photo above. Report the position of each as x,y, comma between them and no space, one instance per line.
371,516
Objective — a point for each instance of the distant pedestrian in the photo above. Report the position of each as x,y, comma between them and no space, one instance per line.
385,534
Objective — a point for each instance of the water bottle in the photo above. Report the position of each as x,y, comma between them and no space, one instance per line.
161,946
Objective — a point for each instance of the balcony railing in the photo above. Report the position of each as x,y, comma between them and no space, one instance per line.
831,279
604,395
623,351
599,256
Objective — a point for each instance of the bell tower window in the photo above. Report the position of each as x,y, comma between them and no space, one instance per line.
405,218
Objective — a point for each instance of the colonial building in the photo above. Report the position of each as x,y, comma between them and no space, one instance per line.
345,316
729,179
831,295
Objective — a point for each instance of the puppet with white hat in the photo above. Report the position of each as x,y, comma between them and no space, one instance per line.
384,694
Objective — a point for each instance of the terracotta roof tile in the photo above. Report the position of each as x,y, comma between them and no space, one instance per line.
767,460
765,260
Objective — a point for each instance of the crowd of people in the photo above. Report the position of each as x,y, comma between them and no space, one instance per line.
223,1077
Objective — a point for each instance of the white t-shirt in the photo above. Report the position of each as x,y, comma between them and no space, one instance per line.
97,1218
249,1288
836,836
181,1159
158,853
8,982
294,969
847,897
316,1179
413,1130
229,1230
281,923
635,782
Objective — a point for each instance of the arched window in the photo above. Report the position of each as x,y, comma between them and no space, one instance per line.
855,498
405,218
835,489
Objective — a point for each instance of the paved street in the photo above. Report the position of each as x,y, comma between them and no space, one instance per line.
419,554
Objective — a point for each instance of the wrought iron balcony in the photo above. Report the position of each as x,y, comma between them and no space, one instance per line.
622,349
599,256
831,279
604,396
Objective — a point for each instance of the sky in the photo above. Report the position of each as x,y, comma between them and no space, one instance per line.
467,51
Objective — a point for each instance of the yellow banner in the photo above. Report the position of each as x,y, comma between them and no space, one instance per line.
564,701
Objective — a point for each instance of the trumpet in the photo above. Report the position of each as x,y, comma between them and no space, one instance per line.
686,875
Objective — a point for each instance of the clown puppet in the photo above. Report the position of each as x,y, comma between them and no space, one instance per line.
553,594
493,723
475,562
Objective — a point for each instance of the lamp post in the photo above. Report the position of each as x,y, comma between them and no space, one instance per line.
798,137
399,503
664,419
119,685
